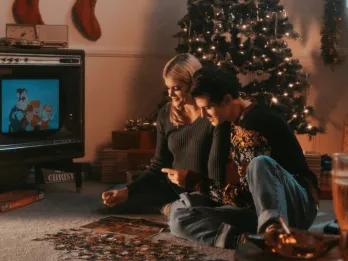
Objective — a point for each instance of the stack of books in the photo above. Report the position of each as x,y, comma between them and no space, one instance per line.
18,198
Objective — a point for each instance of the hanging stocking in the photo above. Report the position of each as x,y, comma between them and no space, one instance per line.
85,19
27,12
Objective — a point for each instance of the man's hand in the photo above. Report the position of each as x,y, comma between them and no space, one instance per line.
176,176
115,197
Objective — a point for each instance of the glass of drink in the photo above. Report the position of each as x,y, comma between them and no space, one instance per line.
340,197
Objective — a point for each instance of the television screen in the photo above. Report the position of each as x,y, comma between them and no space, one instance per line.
29,105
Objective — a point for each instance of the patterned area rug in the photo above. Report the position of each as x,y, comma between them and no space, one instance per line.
118,238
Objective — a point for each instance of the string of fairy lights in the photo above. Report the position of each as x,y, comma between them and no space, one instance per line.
249,37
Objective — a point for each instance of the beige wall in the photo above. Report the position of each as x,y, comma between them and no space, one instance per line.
118,87
123,68
329,90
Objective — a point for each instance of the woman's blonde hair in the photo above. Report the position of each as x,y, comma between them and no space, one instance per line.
181,69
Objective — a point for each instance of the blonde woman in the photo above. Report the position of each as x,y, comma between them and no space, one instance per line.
184,150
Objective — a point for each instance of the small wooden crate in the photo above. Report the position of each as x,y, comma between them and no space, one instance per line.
115,163
127,140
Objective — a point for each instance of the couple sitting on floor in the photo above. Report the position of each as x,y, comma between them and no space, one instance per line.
206,123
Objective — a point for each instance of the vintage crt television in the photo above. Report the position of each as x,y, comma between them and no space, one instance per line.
41,105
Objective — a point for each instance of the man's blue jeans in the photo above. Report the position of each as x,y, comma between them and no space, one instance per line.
275,193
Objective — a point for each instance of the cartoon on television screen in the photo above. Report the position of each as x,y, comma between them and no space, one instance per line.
29,105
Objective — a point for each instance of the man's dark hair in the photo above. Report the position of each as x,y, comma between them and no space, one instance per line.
215,82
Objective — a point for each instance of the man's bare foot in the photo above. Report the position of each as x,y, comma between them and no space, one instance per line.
112,198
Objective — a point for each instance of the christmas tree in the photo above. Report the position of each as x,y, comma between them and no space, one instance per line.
250,38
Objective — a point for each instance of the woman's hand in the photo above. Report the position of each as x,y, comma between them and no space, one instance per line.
115,197
176,176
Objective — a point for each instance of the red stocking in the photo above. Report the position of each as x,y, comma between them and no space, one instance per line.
85,19
27,12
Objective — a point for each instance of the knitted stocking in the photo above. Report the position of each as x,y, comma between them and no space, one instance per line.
27,12
85,19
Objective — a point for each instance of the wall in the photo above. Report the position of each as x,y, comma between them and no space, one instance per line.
329,90
123,68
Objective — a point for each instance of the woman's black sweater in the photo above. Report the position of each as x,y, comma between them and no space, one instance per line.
198,147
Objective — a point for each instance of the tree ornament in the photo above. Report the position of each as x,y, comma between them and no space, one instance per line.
257,10
242,37
228,37
276,25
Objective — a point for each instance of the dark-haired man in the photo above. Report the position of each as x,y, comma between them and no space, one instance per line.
274,179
